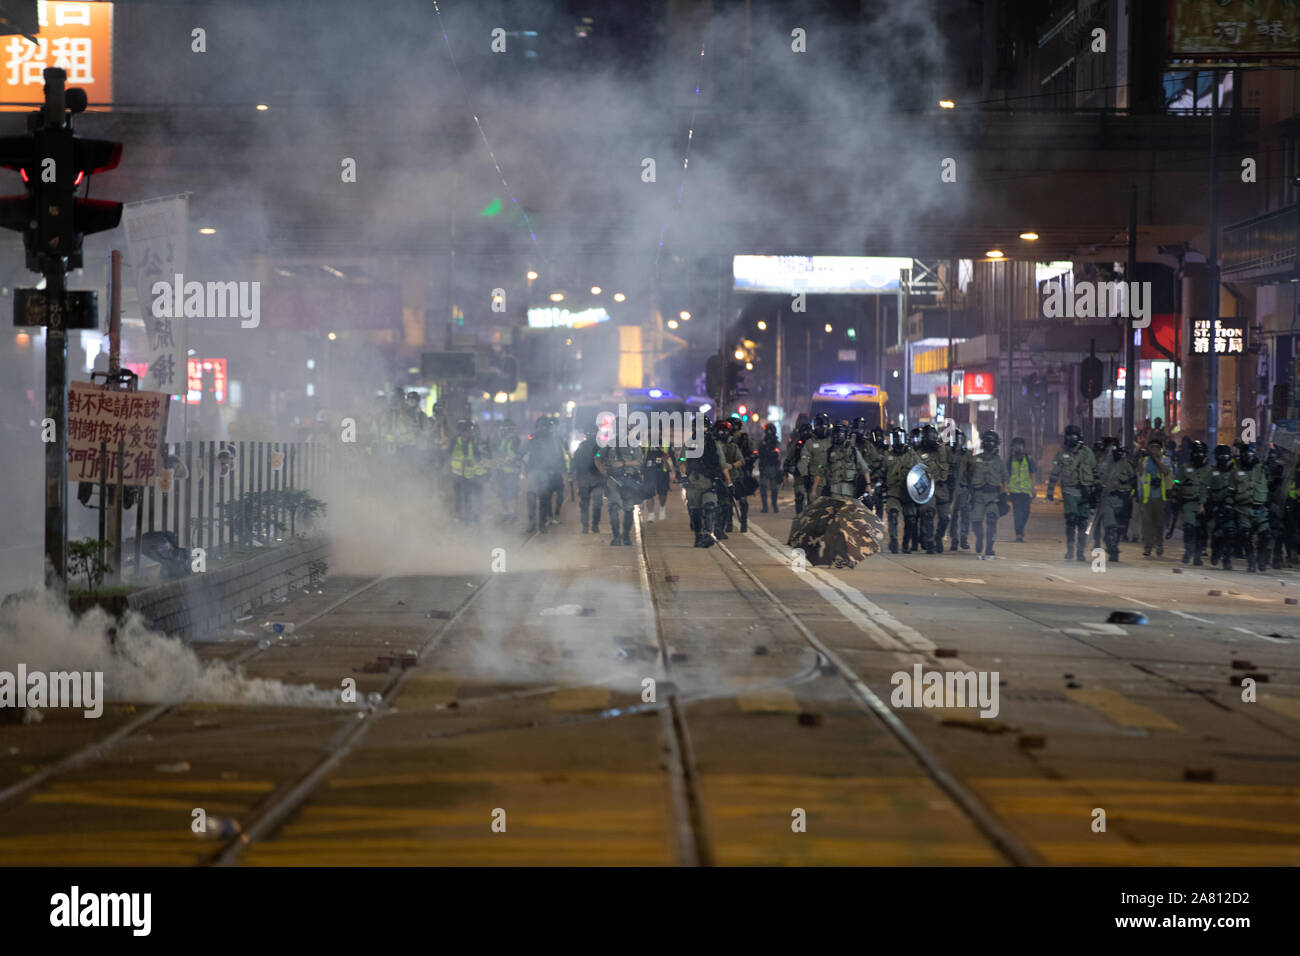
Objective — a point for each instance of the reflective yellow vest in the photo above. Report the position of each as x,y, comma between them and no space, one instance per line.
1145,482
1020,482
465,461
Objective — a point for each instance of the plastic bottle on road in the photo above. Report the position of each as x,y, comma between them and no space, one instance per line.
277,627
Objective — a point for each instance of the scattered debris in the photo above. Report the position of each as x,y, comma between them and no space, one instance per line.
760,650
1177,570
181,766
945,652
1240,665
982,724
439,615
453,705
1126,617
1031,741
671,578
229,775
1215,593
807,719
401,602
1073,685
1292,600
677,657
221,828
1198,775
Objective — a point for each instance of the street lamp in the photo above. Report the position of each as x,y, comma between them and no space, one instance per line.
762,326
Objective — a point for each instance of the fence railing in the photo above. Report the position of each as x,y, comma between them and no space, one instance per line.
238,494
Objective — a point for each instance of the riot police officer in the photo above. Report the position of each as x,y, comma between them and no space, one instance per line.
1073,469
959,492
845,465
704,474
986,475
1280,466
770,475
1191,485
1221,506
1117,485
902,457
1022,469
588,479
932,455
621,466
812,459
542,460
803,434
1252,509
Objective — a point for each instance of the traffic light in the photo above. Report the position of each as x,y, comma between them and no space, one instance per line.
54,164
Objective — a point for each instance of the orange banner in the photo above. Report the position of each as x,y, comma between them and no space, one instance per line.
75,36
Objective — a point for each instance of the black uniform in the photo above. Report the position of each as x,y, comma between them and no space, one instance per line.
770,474
588,480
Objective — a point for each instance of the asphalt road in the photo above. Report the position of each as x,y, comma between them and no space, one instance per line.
576,703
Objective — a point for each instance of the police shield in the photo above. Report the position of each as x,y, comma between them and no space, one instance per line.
919,485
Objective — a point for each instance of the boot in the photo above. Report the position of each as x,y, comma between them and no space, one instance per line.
1198,548
695,520
893,532
1227,559
1069,539
627,538
909,534
763,496
1187,545
1083,544
979,538
613,526
744,525
989,536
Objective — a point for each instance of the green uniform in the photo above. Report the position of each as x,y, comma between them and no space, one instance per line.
986,475
937,463
623,492
1252,515
844,466
897,500
1221,508
1075,471
959,492
1191,486
703,478
735,463
1117,487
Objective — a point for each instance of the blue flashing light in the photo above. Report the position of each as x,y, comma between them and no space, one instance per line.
845,389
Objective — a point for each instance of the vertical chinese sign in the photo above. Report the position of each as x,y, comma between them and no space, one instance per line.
78,37
102,416
156,249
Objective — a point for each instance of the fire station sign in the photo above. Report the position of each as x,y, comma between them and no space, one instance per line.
78,37
1226,340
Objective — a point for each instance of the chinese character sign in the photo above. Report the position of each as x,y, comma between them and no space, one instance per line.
156,250
78,37
97,415
1235,28
1227,340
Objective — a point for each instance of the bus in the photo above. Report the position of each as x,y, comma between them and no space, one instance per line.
604,413
845,401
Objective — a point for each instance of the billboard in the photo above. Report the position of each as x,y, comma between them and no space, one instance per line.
1233,29
557,318
75,36
818,275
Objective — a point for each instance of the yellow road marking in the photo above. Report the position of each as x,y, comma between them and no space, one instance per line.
1120,709
1287,706
581,698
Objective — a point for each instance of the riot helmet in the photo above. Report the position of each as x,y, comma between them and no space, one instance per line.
989,440
859,426
803,432
959,440
839,433
929,438
1248,459
1199,454
914,436
1222,457
1073,436
821,425
878,438
897,441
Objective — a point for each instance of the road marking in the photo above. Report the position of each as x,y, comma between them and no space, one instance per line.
772,700
1287,706
1262,637
1192,617
1125,597
1121,710
581,698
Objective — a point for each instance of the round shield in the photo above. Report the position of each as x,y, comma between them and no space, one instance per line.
919,485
